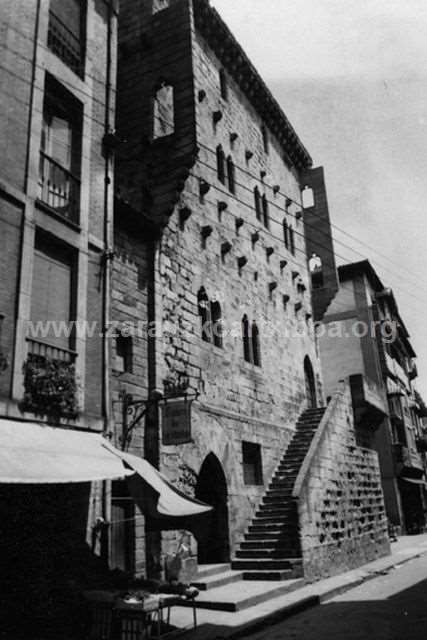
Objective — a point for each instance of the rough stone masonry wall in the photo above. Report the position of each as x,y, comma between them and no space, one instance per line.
341,504
238,401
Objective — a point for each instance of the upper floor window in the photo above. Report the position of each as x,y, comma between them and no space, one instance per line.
124,354
251,342
60,151
286,234
265,212
252,463
211,318
258,205
265,140
223,84
231,173
163,111
291,240
66,32
53,294
220,164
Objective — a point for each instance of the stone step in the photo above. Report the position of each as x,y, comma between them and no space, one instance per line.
276,519
248,593
208,570
271,510
286,549
218,580
272,553
273,534
277,575
263,564
257,527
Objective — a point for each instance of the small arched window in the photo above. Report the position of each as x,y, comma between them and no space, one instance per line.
286,233
231,173
223,84
256,350
247,347
265,141
265,213
216,317
258,206
291,240
205,315
163,111
220,164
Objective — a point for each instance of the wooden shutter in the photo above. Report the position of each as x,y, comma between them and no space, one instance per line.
51,295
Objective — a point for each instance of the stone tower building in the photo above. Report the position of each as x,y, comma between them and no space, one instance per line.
210,231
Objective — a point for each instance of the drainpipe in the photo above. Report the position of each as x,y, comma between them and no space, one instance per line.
106,303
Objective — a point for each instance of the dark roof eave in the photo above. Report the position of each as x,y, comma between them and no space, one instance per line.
233,57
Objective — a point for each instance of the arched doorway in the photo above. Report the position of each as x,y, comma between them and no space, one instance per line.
310,384
213,539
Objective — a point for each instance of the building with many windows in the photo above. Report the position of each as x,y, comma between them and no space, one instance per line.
56,194
370,338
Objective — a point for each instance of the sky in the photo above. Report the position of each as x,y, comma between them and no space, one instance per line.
351,75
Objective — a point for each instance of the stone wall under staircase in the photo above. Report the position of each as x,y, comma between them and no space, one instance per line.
323,512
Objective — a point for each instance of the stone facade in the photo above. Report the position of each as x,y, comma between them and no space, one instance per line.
340,498
212,238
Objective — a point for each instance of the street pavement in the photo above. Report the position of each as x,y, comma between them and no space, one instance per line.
392,606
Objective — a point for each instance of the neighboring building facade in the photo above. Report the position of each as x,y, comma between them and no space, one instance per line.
57,77
209,227
363,333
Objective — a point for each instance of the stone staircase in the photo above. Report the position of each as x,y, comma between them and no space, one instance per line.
271,549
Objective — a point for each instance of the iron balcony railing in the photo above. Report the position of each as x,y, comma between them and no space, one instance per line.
41,351
65,44
58,188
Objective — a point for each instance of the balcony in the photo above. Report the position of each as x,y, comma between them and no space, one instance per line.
59,189
369,402
65,44
50,388
407,458
396,370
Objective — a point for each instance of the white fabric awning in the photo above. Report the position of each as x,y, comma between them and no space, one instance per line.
32,453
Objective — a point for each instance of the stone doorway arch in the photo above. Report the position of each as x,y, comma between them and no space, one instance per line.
213,539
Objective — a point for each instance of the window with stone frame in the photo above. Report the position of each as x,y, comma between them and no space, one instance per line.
252,463
124,354
60,151
210,315
163,111
286,233
231,175
258,204
66,34
220,164
251,342
291,240
265,140
223,84
265,212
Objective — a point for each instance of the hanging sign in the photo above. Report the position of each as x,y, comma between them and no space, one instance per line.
176,421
